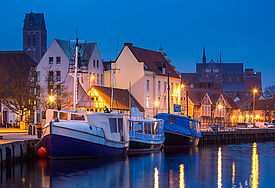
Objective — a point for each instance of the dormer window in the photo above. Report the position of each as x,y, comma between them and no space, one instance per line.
163,70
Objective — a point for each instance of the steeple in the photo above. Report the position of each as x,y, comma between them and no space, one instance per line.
203,57
220,57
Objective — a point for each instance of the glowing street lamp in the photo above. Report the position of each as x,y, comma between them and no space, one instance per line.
51,98
156,103
220,106
254,101
186,95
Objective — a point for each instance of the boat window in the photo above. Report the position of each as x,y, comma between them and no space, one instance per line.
138,127
63,115
113,125
155,129
77,117
172,120
191,125
130,125
55,114
120,125
147,128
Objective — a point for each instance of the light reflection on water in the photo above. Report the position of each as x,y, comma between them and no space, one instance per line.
244,165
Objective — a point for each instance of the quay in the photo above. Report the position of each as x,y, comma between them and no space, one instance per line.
236,136
15,145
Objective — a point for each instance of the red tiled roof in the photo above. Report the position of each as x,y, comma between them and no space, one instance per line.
266,104
154,61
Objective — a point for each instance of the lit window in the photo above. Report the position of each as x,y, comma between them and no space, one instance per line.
50,60
147,102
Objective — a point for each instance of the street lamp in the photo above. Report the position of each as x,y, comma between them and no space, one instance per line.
186,96
220,107
51,100
156,104
254,101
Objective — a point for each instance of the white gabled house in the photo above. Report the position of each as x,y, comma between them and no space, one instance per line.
146,72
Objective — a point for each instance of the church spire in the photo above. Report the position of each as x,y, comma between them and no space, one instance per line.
203,57
220,57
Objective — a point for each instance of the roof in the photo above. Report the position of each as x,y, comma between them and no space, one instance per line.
121,98
233,87
231,102
188,78
227,68
38,18
85,49
267,104
153,61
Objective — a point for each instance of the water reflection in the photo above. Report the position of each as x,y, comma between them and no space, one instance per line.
254,178
181,183
225,166
219,181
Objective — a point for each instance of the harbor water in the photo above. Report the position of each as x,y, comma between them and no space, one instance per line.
242,165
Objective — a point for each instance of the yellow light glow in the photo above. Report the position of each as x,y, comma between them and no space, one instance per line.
156,103
219,181
220,106
92,77
247,116
181,183
240,117
233,173
182,86
257,116
255,90
51,98
233,117
254,178
156,178
251,116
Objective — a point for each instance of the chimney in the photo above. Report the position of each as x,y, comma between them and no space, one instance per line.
128,44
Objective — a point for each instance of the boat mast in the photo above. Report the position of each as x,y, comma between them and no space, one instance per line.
168,89
76,74
112,94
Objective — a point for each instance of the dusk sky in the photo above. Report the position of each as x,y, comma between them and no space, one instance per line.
242,30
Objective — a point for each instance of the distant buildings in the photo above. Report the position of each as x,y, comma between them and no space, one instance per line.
145,73
229,76
35,35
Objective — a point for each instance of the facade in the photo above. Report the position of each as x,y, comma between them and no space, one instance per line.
18,90
35,35
145,74
231,77
56,69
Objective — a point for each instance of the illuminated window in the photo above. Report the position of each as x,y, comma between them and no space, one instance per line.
147,102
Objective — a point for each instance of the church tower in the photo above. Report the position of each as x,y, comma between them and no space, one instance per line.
204,57
35,35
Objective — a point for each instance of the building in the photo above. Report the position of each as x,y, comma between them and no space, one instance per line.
145,73
209,106
18,92
56,68
35,35
231,77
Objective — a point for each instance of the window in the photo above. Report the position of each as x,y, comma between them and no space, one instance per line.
38,90
97,78
51,76
58,60
147,102
77,117
148,128
63,115
94,62
34,39
147,86
230,79
58,76
164,86
94,78
138,127
38,76
29,39
102,81
120,125
50,60
205,99
97,63
238,79
159,86
113,125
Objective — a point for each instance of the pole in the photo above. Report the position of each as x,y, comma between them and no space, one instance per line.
187,101
168,89
253,112
112,93
76,74
130,99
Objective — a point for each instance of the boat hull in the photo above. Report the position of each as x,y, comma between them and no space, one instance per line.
176,140
59,146
142,147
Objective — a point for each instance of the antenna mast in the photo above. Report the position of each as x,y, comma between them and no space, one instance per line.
76,74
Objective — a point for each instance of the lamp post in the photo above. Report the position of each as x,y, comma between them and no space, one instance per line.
156,104
51,99
186,95
220,107
254,101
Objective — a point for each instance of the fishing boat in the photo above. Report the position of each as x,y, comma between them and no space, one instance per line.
180,131
81,134
146,135
75,134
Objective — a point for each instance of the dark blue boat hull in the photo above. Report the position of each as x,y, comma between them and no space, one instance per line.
137,147
58,146
175,140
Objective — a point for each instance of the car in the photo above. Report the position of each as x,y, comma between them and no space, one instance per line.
250,125
245,125
270,125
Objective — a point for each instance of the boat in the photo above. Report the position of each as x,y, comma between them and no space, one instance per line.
146,135
180,131
83,134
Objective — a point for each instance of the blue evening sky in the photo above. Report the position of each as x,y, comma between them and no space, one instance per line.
242,30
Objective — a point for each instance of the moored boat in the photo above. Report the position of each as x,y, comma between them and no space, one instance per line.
180,131
81,134
146,135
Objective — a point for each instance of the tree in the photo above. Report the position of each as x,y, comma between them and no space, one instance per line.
18,85
269,92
